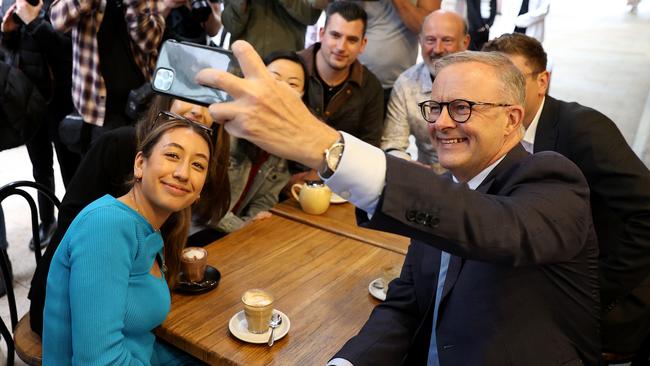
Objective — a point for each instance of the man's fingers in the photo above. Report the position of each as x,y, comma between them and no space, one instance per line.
223,112
250,62
223,80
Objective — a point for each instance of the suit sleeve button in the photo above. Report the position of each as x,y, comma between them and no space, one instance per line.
410,215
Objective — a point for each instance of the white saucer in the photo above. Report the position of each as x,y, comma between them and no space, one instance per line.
239,328
335,198
375,292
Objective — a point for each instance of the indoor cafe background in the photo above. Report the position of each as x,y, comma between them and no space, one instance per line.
601,58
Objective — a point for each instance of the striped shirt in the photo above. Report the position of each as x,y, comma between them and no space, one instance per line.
145,26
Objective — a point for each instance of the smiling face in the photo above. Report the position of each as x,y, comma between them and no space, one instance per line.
191,111
468,148
341,42
442,34
173,175
289,72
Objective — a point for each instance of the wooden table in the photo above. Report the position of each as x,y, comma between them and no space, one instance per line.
341,219
319,279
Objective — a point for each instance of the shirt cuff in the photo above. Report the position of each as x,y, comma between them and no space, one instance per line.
360,176
339,362
400,154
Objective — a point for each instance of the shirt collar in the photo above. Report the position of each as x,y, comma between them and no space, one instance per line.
529,136
424,78
478,179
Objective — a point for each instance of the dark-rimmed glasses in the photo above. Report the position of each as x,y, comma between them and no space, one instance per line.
169,116
460,110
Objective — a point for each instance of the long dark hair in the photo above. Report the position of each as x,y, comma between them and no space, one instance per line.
215,195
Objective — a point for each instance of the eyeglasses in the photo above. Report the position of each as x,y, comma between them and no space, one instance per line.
169,116
460,110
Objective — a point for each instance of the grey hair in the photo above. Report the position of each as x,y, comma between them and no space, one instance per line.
513,84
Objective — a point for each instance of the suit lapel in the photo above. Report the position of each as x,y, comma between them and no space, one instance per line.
546,134
456,263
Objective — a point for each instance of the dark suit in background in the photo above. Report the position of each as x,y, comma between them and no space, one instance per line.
522,284
620,201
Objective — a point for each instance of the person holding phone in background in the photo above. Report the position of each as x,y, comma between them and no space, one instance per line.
191,20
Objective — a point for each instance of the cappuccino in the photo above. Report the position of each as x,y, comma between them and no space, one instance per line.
258,308
193,263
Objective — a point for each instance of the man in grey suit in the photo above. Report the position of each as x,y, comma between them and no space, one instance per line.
619,184
502,265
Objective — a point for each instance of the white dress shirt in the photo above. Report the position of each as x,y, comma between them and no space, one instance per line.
528,141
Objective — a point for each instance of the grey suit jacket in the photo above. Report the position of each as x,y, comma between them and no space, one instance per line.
522,285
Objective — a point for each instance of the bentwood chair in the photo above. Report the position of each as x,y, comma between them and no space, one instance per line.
24,342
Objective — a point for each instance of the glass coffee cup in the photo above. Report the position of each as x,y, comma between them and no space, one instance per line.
193,263
258,308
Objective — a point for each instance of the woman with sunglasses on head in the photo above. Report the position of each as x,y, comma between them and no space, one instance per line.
256,177
109,280
107,168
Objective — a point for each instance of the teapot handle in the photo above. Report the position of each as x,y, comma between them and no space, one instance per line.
293,191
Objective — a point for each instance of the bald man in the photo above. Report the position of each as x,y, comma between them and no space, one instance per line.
443,33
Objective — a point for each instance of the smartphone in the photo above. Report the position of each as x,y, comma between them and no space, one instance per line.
178,64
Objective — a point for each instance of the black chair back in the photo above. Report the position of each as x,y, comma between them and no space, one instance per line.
11,189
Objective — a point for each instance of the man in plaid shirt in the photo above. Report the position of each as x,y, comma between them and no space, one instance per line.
144,29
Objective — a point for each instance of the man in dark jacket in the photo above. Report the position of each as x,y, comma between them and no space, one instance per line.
619,185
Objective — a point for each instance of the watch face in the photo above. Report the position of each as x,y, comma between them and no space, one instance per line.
334,156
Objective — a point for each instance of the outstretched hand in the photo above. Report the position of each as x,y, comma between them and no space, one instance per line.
266,112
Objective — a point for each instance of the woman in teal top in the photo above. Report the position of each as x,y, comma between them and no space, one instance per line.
107,287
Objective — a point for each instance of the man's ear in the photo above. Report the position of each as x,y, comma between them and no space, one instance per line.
466,41
321,33
364,41
138,165
515,119
543,80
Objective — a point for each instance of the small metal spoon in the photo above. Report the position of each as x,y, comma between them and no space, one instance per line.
378,284
275,322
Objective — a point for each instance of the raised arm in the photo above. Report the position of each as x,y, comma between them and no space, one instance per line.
301,10
413,15
145,24
65,14
235,17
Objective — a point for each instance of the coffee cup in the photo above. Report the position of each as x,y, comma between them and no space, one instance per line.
193,263
313,196
258,308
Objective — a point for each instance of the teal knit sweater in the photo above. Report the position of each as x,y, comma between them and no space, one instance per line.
102,302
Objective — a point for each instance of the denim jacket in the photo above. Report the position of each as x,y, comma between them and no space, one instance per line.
263,192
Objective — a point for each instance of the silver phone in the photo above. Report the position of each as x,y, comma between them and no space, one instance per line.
178,64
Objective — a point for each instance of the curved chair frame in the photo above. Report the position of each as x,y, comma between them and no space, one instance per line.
17,188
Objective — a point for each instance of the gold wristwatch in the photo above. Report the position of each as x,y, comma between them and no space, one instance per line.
332,158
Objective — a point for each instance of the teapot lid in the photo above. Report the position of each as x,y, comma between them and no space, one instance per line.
314,183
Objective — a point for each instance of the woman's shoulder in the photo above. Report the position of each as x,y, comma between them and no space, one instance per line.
106,212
